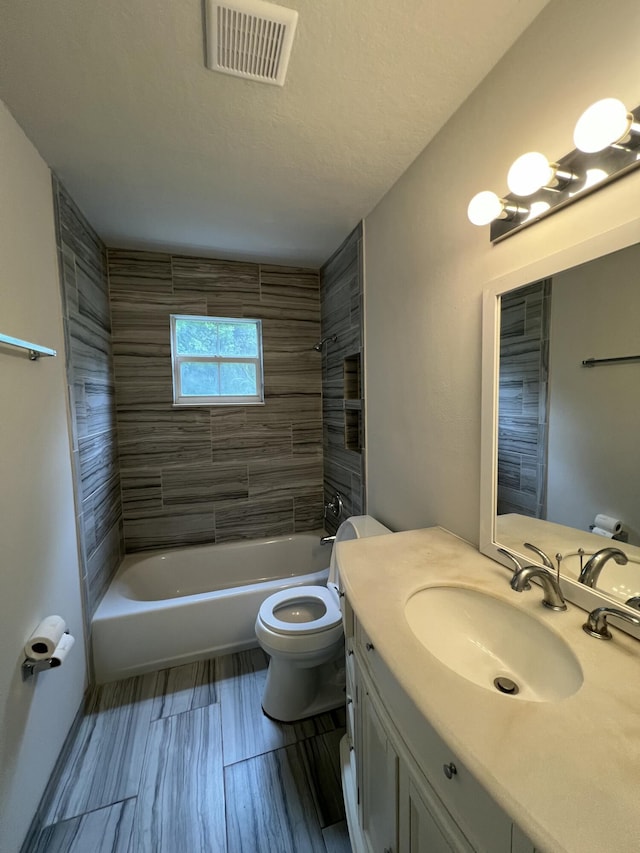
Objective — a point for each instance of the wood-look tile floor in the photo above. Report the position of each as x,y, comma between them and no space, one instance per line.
185,760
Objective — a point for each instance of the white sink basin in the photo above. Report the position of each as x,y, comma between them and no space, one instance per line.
621,582
483,638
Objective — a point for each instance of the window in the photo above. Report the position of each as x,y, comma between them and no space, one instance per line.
216,361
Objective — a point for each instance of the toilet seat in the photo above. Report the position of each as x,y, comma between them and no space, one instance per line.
318,595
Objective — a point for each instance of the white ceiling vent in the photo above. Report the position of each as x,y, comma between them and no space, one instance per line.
250,38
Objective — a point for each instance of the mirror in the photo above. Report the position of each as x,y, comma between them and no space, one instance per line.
560,440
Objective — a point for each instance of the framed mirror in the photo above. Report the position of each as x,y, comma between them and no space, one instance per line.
560,439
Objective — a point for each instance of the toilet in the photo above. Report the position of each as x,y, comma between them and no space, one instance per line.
300,628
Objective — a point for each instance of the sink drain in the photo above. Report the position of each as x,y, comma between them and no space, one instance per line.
506,685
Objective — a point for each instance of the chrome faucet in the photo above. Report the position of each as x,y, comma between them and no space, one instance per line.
591,571
553,598
327,540
596,624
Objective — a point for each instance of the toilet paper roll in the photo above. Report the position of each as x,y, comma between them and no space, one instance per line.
42,643
606,522
602,532
62,650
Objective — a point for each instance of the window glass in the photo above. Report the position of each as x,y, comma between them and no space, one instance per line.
199,379
216,361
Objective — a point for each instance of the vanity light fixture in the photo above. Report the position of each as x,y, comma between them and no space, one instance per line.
536,209
607,122
532,171
593,177
486,206
607,138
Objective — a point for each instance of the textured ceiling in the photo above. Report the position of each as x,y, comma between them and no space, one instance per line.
160,152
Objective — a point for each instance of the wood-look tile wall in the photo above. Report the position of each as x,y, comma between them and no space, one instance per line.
220,473
341,311
523,402
85,303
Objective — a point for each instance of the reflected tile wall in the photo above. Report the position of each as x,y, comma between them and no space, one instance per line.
341,287
215,474
523,400
87,323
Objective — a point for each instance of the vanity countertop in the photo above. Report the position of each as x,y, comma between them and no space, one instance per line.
567,772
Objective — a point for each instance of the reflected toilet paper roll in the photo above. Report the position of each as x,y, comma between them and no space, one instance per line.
62,650
602,532
42,643
606,525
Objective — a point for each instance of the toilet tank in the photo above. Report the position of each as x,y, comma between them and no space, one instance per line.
355,527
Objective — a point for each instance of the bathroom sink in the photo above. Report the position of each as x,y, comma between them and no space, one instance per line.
493,644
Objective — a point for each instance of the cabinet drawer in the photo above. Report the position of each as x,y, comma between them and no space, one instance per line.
480,818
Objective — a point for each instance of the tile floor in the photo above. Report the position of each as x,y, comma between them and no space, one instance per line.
185,760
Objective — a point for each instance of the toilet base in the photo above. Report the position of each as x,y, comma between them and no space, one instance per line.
293,694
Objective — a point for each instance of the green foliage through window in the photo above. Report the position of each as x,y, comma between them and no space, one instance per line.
215,337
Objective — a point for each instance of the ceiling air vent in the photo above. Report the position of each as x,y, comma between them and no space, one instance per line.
250,38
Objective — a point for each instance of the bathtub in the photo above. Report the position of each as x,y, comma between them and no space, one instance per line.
165,608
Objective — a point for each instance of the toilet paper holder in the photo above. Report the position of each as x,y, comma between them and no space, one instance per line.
31,667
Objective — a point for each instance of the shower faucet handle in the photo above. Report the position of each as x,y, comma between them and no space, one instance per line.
335,507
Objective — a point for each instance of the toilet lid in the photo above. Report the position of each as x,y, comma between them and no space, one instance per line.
301,610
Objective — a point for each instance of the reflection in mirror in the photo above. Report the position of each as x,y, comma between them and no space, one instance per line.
568,435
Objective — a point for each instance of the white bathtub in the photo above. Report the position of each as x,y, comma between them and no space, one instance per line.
164,608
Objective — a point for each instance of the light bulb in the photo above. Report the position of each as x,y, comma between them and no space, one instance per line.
484,207
602,124
529,173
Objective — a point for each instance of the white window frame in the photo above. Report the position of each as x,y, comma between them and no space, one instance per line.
216,400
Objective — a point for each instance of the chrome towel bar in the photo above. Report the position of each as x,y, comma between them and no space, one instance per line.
590,362
34,350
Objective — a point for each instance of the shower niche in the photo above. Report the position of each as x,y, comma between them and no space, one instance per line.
353,429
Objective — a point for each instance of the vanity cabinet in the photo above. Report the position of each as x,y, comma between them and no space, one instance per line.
413,795
377,774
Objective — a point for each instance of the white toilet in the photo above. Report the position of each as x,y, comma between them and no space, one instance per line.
300,628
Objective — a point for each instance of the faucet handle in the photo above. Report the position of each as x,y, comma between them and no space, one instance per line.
634,602
335,507
596,624
516,562
546,561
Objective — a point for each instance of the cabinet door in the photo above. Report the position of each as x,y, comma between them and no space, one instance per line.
378,780
424,825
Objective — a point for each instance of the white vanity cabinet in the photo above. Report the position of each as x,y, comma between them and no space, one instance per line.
413,794
377,774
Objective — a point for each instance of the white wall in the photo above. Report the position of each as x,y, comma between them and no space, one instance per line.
426,265
38,550
594,428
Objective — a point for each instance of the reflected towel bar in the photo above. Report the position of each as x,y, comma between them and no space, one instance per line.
33,350
590,362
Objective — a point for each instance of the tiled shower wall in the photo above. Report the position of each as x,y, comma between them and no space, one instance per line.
215,474
85,302
523,403
341,287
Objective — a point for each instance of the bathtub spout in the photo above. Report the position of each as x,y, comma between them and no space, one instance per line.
327,540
